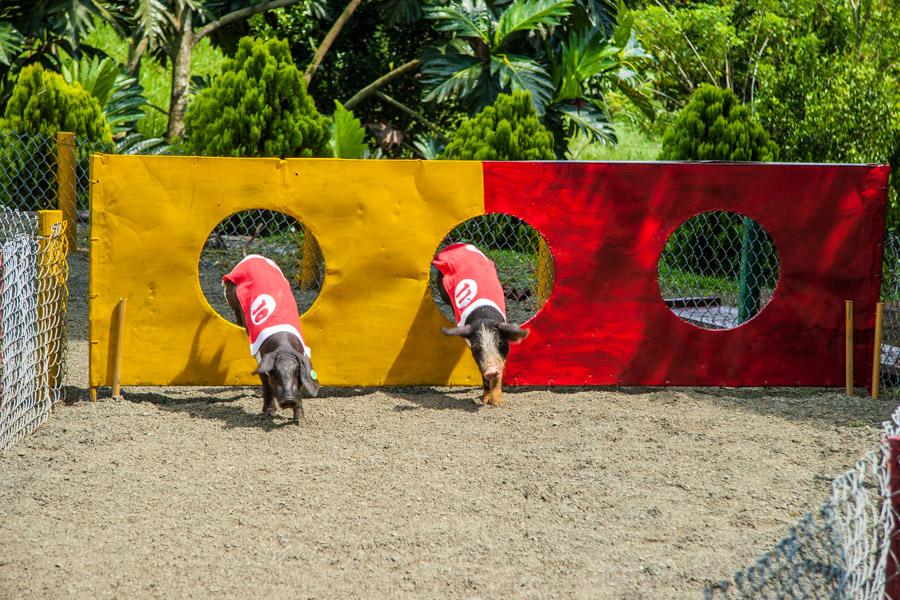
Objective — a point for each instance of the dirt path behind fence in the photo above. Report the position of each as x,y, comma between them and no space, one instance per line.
413,493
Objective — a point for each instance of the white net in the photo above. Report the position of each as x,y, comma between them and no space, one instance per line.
841,551
33,294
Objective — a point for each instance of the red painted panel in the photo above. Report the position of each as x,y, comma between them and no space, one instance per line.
607,223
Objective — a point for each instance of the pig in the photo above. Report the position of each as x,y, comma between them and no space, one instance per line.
262,301
467,280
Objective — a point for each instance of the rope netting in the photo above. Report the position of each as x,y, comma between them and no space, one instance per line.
890,295
33,295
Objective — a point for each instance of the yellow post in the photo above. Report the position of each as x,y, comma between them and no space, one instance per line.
876,359
309,262
117,349
848,346
66,182
52,269
544,271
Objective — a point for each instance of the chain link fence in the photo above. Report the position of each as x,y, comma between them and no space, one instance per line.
33,296
839,551
523,260
890,296
718,270
28,171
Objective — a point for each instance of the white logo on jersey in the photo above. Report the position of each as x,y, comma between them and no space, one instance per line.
262,308
465,292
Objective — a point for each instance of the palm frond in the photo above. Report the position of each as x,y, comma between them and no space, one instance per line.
12,42
136,143
450,75
401,12
590,120
467,18
151,19
523,73
526,15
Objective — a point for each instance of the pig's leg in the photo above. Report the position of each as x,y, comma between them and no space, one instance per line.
486,392
233,302
268,399
298,411
492,396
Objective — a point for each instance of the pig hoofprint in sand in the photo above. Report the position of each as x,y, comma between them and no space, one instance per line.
266,299
470,280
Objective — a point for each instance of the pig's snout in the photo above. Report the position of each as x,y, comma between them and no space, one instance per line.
288,402
491,372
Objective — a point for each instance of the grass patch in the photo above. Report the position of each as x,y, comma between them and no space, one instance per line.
633,144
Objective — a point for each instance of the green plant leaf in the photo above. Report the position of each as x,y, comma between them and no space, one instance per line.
525,74
589,119
468,18
450,75
347,134
11,43
526,15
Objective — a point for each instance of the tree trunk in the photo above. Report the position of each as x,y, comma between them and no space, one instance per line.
181,73
332,34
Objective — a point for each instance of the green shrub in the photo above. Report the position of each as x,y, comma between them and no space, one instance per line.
507,130
257,106
716,126
42,102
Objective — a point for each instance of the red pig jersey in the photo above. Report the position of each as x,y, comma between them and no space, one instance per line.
266,298
470,280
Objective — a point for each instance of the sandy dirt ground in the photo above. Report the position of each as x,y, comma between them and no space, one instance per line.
412,493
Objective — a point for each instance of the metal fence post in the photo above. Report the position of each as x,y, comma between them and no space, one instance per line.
751,270
51,255
66,181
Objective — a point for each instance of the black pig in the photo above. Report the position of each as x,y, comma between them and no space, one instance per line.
468,281
257,291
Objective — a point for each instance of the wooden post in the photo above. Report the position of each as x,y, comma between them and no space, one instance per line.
67,184
848,346
544,271
117,348
876,358
51,278
310,261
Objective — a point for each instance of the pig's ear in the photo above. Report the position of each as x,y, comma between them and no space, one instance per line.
266,364
311,385
464,331
512,333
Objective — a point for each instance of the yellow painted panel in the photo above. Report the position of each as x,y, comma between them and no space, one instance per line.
378,224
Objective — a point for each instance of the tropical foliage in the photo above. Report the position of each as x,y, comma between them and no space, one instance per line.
507,130
545,47
716,126
258,106
43,102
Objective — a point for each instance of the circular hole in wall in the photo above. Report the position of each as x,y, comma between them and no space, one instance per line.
272,234
520,254
718,270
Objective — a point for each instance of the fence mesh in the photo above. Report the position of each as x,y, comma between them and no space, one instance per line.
27,171
272,234
718,270
33,295
890,295
839,551
522,257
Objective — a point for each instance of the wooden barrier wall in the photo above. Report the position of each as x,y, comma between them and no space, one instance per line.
379,222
